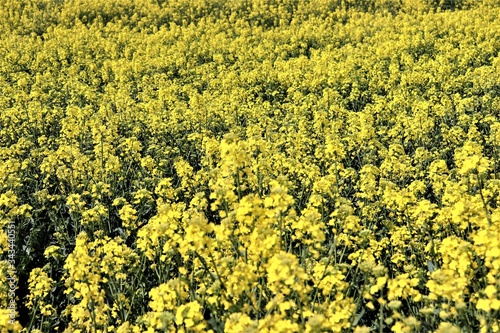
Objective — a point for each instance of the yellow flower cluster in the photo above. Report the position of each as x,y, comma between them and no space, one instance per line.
249,166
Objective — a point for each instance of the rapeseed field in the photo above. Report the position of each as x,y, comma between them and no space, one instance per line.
250,166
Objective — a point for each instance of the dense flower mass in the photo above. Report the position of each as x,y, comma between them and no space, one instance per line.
249,166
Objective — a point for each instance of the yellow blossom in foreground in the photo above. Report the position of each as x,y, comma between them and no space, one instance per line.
446,327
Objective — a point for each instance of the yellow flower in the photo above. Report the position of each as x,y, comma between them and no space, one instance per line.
284,274
240,322
39,285
445,327
51,251
163,298
128,215
362,329
189,315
